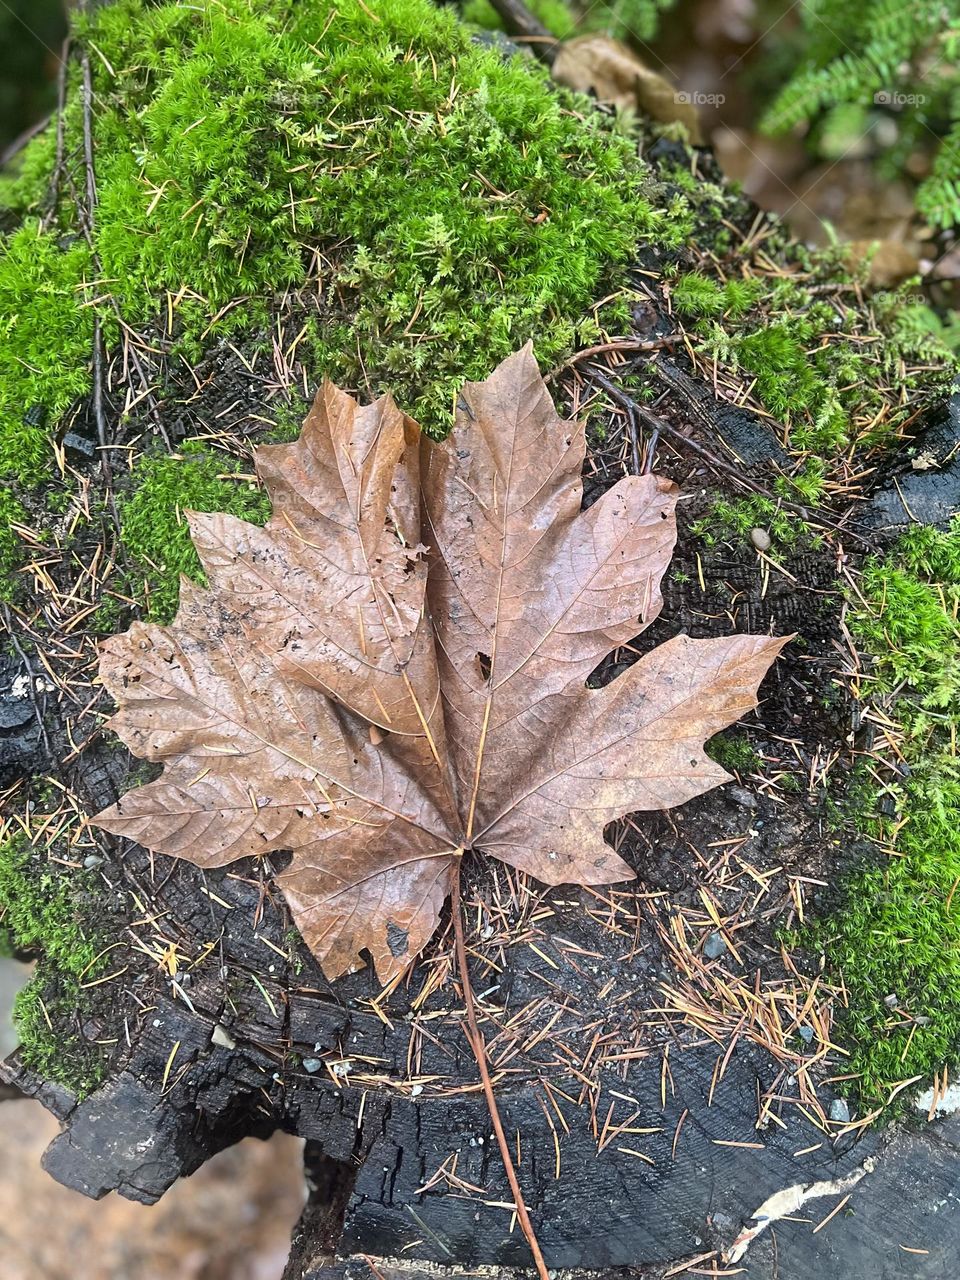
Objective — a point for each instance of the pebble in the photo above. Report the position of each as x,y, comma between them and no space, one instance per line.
806,1034
91,862
79,443
839,1111
715,945
741,796
761,539
222,1037
313,1065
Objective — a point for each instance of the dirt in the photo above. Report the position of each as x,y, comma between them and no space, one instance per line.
233,1221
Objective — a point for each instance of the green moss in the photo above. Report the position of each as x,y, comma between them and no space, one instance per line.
41,911
11,512
732,751
457,204
790,383
460,204
897,934
45,343
26,181
738,519
152,526
699,295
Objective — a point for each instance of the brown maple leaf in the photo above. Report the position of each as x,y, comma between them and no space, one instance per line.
394,669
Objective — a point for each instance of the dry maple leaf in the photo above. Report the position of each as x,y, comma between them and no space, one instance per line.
394,668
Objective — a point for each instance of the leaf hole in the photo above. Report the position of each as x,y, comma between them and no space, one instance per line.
483,662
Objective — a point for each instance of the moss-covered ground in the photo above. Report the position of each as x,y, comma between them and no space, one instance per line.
896,939
47,909
845,376
290,190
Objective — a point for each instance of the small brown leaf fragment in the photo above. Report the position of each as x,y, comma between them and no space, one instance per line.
394,669
607,67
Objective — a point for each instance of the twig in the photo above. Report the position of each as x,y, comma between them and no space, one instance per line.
61,111
87,223
88,140
519,21
634,437
475,1040
616,344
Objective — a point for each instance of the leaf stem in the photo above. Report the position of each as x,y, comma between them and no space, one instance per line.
476,1042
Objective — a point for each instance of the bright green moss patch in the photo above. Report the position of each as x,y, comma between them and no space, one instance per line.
45,344
437,203
42,912
739,519
154,531
456,201
695,294
11,512
732,751
896,939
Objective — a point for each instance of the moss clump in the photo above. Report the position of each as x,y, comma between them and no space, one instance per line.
152,526
458,203
732,751
698,295
11,512
897,936
738,519
442,204
41,911
45,343
791,383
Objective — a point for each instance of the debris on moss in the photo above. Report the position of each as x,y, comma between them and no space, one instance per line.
738,519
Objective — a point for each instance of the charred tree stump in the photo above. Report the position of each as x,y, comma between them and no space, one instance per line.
662,1065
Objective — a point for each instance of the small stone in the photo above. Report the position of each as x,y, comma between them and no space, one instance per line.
892,1000
222,1037
416,1090
806,1034
839,1111
741,796
761,539
91,862
312,1065
79,444
715,945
